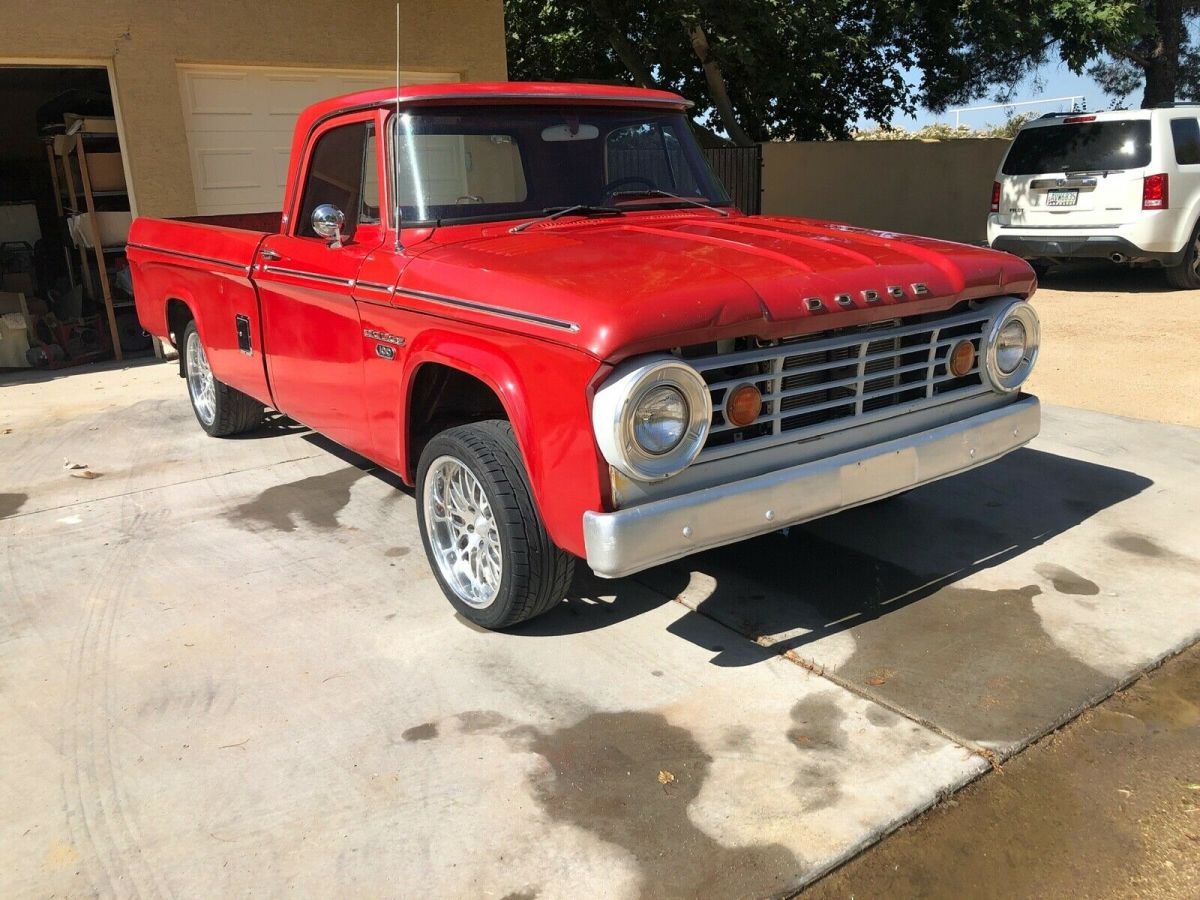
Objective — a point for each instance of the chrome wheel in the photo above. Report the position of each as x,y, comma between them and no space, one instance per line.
462,532
201,385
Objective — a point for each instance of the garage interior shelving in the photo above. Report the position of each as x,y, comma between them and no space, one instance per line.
72,162
63,188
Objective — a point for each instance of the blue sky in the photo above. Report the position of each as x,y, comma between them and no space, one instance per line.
1056,81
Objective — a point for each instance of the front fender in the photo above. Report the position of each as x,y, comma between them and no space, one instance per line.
545,390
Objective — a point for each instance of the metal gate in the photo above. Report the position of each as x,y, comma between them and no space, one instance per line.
740,170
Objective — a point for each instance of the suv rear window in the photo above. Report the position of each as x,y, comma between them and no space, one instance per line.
1186,135
1080,147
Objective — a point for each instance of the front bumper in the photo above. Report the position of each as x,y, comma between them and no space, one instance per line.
629,540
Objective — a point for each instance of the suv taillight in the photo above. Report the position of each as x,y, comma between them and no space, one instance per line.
995,196
1154,192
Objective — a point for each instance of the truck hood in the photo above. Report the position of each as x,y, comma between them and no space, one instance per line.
614,287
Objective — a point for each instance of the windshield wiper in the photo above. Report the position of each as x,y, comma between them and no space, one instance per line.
555,212
656,192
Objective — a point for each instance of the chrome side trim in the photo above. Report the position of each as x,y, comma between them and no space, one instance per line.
630,540
310,276
502,311
192,256
372,286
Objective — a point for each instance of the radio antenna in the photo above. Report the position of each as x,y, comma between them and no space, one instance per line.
395,133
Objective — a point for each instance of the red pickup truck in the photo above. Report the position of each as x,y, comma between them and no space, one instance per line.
536,304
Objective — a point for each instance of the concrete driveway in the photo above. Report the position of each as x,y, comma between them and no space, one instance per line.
225,668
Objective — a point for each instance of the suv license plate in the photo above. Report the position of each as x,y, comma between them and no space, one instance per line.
1062,198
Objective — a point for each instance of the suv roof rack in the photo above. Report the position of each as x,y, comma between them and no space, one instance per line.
1172,104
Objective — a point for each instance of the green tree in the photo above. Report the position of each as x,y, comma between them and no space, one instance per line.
758,69
990,46
809,69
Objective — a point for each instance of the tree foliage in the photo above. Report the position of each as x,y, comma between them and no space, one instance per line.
790,69
1124,44
809,69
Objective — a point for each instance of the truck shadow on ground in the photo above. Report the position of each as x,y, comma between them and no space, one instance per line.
791,588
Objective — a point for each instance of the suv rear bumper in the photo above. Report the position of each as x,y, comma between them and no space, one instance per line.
1080,247
629,540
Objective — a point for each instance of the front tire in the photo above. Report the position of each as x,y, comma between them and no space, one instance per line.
484,539
1186,275
220,409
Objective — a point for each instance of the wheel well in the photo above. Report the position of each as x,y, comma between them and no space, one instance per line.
178,315
443,397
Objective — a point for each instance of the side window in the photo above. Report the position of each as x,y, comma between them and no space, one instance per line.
369,209
336,175
1186,135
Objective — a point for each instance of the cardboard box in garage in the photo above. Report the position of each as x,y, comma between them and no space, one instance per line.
106,171
91,124
14,342
114,228
15,325
17,283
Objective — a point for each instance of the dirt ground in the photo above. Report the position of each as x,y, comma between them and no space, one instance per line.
1107,807
1117,340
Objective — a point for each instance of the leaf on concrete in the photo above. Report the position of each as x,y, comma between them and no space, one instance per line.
876,677
665,777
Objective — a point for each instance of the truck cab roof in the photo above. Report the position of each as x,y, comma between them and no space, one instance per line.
505,92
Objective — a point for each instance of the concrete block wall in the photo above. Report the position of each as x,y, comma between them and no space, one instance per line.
936,188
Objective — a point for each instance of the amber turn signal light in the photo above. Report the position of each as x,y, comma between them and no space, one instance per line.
962,359
743,405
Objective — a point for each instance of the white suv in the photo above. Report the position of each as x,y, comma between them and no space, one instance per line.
1118,185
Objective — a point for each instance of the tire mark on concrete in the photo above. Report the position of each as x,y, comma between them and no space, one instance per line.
92,785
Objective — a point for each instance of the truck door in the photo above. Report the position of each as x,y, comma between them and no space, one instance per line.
313,338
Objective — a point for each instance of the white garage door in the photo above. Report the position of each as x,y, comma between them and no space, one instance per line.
239,122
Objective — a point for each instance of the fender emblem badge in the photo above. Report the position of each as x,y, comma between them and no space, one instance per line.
385,351
383,336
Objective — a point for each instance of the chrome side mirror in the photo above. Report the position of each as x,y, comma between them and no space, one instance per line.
327,221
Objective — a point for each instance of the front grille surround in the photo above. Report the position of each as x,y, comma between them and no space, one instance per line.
830,381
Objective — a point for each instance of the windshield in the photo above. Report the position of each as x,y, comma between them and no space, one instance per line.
481,163
1080,147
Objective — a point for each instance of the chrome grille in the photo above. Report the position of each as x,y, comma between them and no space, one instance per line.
826,382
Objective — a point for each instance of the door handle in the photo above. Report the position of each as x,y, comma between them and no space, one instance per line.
268,253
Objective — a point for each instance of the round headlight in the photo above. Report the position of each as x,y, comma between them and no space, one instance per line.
651,417
1010,346
660,419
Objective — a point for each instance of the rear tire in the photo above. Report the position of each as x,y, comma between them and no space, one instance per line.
484,539
1186,275
220,409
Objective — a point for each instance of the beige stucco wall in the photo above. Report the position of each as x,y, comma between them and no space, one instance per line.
146,39
941,189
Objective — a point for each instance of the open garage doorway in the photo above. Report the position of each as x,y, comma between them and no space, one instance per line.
65,210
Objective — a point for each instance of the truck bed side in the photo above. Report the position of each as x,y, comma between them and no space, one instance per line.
187,269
